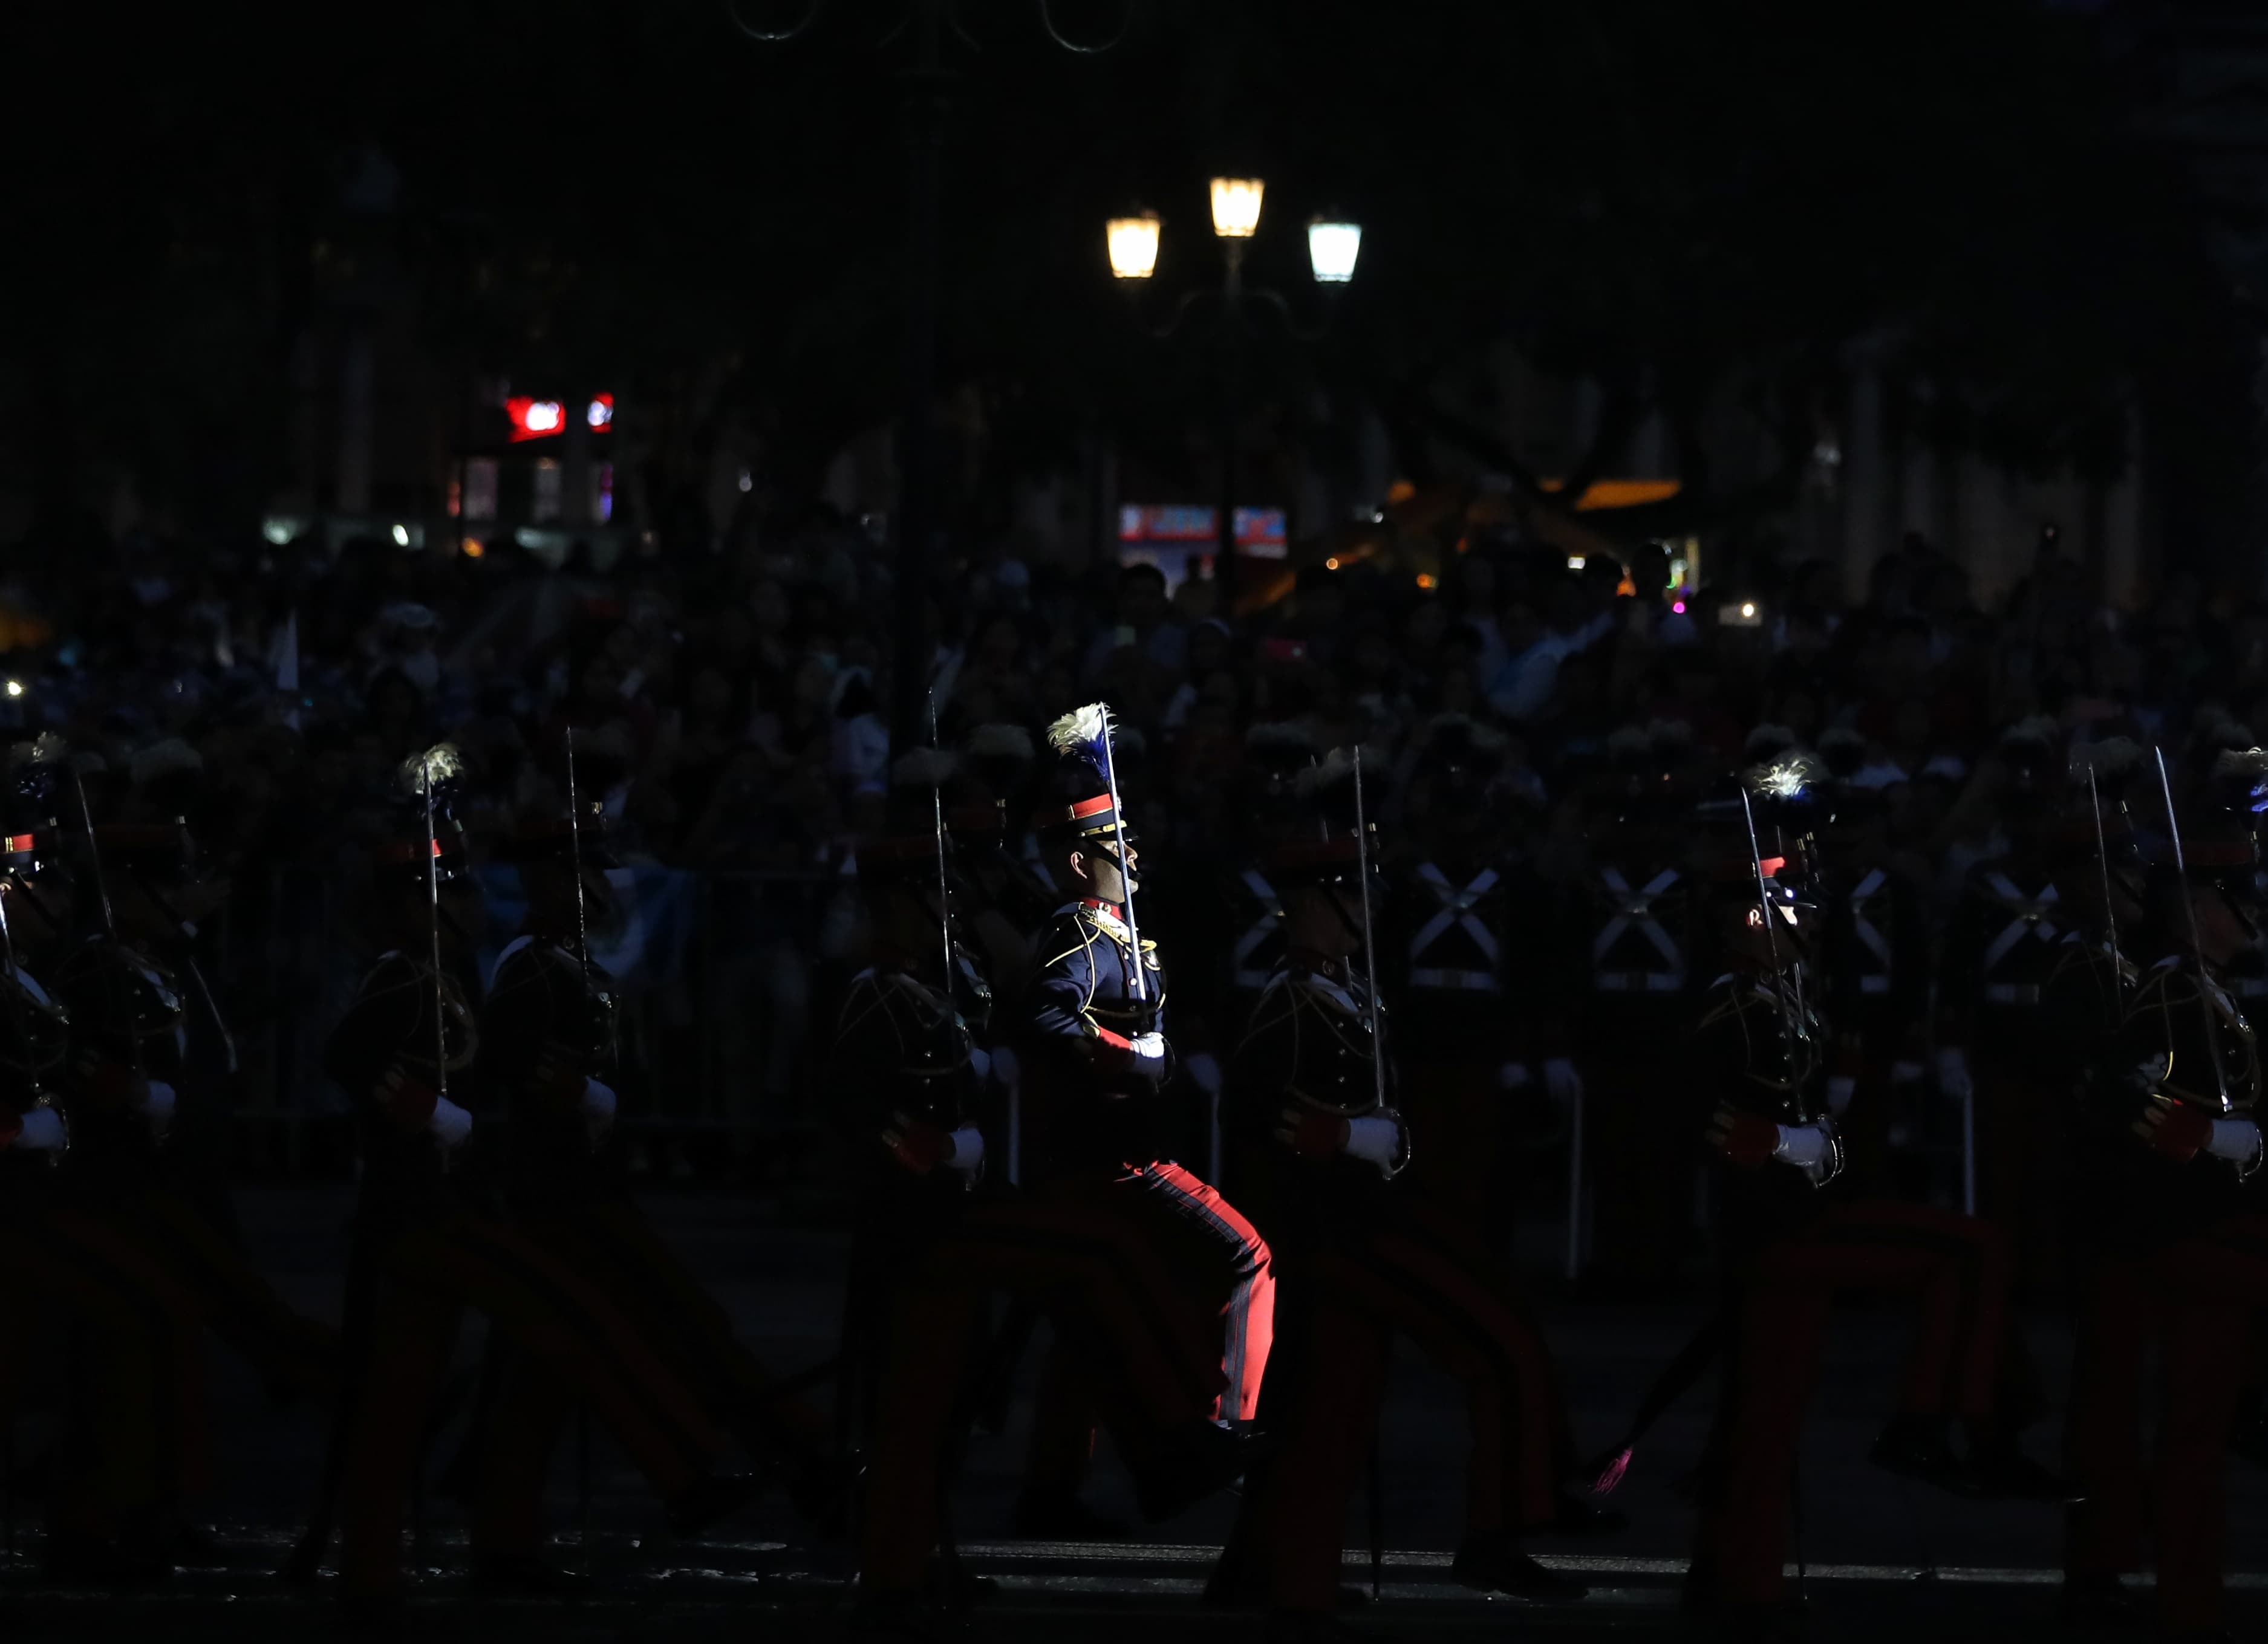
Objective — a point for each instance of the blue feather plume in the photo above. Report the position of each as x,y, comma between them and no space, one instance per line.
1085,731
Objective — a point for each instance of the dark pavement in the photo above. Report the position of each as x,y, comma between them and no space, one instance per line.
1883,1558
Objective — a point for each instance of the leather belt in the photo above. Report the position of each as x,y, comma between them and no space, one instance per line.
2013,993
1455,981
1639,981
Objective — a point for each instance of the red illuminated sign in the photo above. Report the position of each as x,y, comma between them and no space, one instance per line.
534,419
541,418
1258,530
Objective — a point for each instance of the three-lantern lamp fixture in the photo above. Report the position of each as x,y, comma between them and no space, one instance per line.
1333,243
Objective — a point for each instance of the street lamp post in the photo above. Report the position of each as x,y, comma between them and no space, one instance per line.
926,80
1333,245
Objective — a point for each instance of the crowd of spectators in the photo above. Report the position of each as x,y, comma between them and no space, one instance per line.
730,706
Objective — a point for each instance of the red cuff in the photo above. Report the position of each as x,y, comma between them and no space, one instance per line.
11,1125
407,1100
1121,1048
108,1081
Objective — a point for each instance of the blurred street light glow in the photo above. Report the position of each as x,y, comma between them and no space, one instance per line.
1134,246
1332,248
1236,206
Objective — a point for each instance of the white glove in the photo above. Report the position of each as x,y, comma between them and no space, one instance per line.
1803,1146
1512,1075
1841,1087
450,1123
968,1149
156,1106
1952,1074
1563,1082
1374,1139
2237,1139
42,1133
1149,1052
980,1061
1204,1068
599,1104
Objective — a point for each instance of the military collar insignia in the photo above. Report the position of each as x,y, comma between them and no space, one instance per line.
1106,917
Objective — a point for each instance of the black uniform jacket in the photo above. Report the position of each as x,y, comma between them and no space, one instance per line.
547,1028
2179,1037
1758,1048
382,1055
1090,1103
1308,1045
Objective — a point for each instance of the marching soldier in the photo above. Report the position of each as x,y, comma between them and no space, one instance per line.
547,1046
145,1030
1999,951
1005,897
426,1243
1449,917
1319,1150
1090,1037
1002,902
2172,1227
1875,961
1791,1235
136,1448
1610,998
1275,754
938,1234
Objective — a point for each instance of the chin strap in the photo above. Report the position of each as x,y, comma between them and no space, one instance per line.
1115,856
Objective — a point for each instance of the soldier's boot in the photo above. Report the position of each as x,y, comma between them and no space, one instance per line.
1920,1448
1191,1462
709,1499
1051,1515
2101,1605
1494,1563
1998,1471
526,1576
1573,1515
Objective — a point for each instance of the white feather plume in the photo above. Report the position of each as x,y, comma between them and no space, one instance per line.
1083,729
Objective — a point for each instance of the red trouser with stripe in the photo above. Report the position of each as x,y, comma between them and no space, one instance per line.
143,1376
1956,1268
2016,1174
1216,1258
2200,1293
1641,1169
430,1272
1417,1276
1457,1140
242,1307
1107,1293
612,1247
1223,1265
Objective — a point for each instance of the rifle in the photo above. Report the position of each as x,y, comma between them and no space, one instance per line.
2109,909
1090,729
944,886
115,957
2196,943
433,855
1369,943
1764,911
1125,874
23,1024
